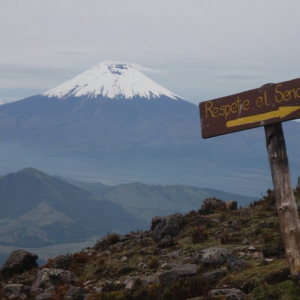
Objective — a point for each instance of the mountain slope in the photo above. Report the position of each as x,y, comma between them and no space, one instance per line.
91,129
38,209
110,80
148,201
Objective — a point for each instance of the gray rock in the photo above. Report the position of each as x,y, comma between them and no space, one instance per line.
231,294
129,283
166,266
217,256
257,255
44,296
170,225
76,293
214,276
178,271
18,262
50,289
16,291
213,256
48,277
235,264
209,205
173,254
150,279
166,241
116,247
63,261
245,242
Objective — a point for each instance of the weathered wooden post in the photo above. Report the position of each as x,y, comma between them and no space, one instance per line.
266,106
284,195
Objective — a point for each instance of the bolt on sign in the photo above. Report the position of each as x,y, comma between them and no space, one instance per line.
268,104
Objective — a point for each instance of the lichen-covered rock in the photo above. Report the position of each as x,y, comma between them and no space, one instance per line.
210,205
170,225
63,261
18,262
48,277
229,294
178,271
217,256
16,291
213,256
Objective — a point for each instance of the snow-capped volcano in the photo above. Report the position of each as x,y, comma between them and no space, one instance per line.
110,80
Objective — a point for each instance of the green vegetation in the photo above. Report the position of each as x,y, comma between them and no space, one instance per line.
128,267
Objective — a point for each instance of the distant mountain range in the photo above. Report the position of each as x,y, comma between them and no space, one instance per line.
147,201
39,210
114,125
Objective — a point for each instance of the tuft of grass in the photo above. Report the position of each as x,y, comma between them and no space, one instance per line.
109,240
285,290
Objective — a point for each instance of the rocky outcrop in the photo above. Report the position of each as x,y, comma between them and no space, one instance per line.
44,296
217,256
75,293
140,265
48,277
16,291
228,294
178,271
18,262
163,226
210,205
213,256
62,262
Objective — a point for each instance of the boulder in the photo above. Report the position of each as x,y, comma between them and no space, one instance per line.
214,276
230,294
63,261
16,291
76,293
170,225
44,296
18,262
217,256
150,279
166,241
231,205
210,205
213,256
129,283
48,277
178,271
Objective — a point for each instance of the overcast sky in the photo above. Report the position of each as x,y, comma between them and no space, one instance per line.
199,50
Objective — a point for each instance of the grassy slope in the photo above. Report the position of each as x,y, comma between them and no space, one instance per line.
228,229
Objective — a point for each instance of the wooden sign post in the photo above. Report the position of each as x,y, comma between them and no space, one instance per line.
266,106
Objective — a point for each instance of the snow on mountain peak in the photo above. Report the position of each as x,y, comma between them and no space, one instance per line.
111,80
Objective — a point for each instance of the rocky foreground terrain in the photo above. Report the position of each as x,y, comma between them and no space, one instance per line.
217,252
